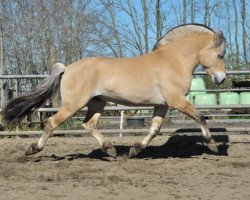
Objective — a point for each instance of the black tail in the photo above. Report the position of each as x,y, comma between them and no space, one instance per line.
21,106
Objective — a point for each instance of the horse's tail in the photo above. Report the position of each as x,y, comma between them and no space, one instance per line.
21,106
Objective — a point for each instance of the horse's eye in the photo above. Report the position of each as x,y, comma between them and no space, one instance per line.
221,56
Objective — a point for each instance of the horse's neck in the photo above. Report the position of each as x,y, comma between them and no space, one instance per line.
186,51
185,60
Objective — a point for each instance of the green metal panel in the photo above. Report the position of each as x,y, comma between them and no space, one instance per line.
196,84
229,98
245,98
205,99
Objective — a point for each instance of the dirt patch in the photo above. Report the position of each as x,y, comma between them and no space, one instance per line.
75,168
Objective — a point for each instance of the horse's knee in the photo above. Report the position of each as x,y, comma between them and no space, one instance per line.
89,126
85,126
90,123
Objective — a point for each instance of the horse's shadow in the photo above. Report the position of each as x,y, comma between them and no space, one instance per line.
176,146
179,147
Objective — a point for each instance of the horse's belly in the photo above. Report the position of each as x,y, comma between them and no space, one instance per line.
134,99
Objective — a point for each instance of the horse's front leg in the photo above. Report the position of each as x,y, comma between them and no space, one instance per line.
158,116
187,108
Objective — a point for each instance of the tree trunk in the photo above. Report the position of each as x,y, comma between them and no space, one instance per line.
145,17
109,6
244,36
237,55
158,19
184,20
207,13
229,27
192,11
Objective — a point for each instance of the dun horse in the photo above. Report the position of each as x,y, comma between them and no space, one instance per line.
160,78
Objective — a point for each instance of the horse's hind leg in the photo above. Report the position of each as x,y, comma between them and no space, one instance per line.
52,123
95,109
187,108
158,117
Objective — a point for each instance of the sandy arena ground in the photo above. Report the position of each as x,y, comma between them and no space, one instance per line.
75,168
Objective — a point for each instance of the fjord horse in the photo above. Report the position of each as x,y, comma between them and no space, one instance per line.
160,78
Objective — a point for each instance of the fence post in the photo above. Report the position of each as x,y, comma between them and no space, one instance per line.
16,95
16,87
121,122
53,61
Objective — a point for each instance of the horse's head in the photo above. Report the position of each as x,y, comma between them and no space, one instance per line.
212,58
211,50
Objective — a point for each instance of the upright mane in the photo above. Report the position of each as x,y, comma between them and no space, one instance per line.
181,31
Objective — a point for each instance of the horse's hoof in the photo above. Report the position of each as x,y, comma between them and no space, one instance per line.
109,149
111,152
33,149
213,148
212,145
135,150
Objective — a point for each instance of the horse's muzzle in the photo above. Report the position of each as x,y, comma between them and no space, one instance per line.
218,77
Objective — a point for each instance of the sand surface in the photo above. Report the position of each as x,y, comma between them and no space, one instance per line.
75,168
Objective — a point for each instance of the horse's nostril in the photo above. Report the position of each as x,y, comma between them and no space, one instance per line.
218,80
222,81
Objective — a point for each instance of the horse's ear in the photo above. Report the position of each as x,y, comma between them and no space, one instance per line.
218,38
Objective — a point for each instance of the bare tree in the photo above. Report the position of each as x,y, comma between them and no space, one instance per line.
109,6
207,13
134,25
192,10
120,28
145,21
158,19
176,14
184,21
32,27
244,36
229,35
237,55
